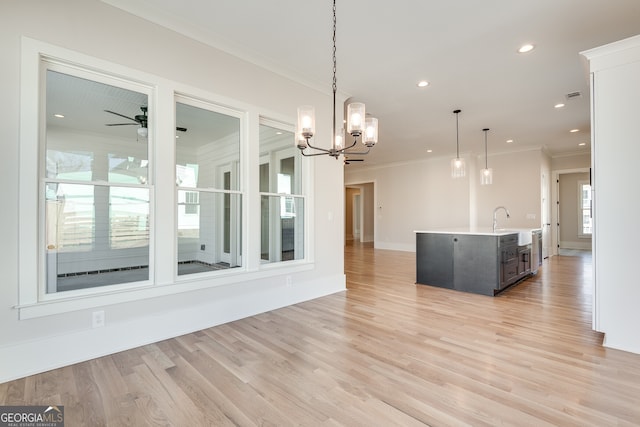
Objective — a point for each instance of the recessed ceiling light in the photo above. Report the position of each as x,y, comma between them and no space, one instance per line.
526,48
278,133
560,105
60,116
423,83
582,144
429,151
574,130
509,141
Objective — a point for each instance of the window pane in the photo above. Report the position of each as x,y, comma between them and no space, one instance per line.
209,237
209,148
70,217
586,196
282,221
129,217
586,222
282,217
96,235
92,131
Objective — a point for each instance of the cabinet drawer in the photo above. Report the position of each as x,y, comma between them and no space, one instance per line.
509,253
509,272
509,240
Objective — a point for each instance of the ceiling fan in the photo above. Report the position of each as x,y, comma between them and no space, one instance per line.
347,161
140,119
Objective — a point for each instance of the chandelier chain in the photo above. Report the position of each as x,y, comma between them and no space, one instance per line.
335,67
335,79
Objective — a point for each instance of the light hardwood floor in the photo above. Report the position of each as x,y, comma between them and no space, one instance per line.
386,352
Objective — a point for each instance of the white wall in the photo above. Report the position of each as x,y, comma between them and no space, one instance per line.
93,28
571,161
422,195
615,94
516,185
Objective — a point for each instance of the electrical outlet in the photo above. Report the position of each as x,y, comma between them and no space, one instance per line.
97,319
202,247
288,281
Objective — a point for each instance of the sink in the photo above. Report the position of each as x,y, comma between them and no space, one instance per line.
524,236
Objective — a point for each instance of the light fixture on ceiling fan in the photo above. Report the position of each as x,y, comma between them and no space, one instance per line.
457,164
140,119
486,174
358,125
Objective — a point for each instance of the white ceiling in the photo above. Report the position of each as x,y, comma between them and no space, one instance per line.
466,49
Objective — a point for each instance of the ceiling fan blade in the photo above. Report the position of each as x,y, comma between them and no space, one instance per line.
181,129
121,115
121,124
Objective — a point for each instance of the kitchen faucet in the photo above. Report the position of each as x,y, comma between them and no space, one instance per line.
495,216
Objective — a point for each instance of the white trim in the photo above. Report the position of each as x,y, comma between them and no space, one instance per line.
555,194
564,244
363,237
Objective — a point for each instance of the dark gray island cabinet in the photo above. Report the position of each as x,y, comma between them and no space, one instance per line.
481,262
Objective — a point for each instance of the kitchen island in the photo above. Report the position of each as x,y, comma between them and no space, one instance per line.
475,260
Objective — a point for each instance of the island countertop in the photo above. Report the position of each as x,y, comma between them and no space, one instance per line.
478,231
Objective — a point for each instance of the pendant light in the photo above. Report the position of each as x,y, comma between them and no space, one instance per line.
457,164
486,174
358,124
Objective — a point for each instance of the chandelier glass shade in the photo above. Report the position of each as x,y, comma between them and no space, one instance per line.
358,124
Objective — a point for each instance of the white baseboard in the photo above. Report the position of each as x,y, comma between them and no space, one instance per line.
395,246
575,245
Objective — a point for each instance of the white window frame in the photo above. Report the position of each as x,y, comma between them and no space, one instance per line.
47,291
29,302
302,183
581,233
235,167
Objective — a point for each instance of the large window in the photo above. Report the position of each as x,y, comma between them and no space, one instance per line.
131,189
282,201
95,180
209,199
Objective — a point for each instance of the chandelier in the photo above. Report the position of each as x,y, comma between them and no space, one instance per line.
358,125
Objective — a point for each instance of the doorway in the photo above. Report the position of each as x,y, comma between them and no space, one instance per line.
359,215
572,217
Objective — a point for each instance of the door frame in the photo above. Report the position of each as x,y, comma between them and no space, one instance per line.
361,185
555,197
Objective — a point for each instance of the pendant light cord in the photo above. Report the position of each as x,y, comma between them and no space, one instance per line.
457,135
486,164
